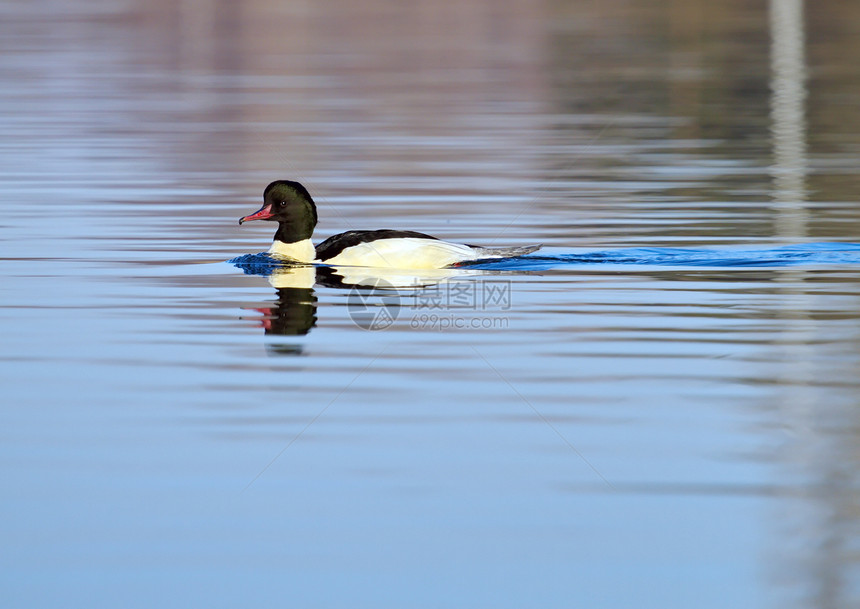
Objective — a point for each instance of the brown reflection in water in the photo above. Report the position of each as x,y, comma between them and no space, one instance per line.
689,86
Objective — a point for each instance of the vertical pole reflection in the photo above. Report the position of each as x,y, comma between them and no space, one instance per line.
788,122
817,547
796,402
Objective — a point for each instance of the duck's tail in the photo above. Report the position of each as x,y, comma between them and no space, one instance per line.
505,252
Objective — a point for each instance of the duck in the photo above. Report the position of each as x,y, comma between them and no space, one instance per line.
290,205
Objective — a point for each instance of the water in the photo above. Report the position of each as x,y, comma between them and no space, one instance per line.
659,409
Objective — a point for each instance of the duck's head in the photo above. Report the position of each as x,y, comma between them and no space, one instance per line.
290,204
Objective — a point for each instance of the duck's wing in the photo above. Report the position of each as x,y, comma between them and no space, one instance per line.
335,244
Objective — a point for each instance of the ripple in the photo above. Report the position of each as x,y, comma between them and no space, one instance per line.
787,255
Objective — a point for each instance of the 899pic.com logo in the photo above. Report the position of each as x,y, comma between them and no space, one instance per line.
373,305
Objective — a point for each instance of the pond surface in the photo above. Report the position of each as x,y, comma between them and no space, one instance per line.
660,409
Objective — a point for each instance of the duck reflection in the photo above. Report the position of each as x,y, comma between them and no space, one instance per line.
357,277
294,310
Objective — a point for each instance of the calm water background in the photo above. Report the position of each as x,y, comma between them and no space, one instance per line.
178,433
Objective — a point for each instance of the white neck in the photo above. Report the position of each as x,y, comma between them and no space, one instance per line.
299,251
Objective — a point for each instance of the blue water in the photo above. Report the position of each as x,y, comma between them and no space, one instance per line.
787,255
658,410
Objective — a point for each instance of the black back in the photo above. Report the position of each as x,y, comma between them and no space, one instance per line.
335,244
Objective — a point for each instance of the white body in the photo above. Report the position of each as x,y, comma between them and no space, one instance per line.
398,253
404,253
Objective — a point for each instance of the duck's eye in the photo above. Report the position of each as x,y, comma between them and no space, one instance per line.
283,203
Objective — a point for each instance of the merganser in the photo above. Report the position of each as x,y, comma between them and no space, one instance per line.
290,205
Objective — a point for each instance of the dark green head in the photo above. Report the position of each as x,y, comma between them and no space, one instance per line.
290,204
